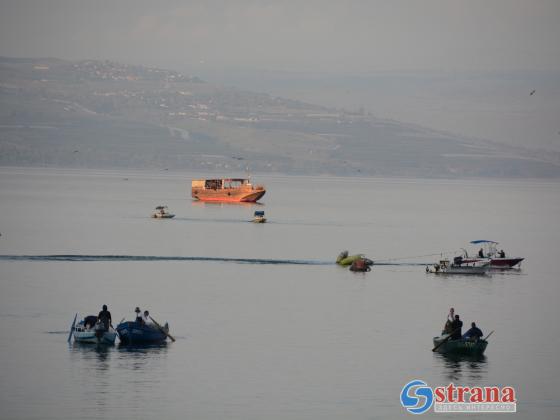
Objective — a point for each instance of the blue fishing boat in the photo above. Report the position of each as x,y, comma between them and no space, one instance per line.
133,332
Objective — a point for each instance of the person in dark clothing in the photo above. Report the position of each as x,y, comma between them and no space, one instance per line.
105,318
138,315
474,333
502,254
456,328
481,253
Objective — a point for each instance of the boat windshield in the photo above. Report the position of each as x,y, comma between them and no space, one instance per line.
235,183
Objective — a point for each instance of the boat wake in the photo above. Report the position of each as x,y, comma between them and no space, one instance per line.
104,258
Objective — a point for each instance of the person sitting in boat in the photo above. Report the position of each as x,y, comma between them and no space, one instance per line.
456,326
474,333
90,321
481,253
138,315
502,253
105,318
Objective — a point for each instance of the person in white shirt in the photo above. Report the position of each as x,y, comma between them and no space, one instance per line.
146,318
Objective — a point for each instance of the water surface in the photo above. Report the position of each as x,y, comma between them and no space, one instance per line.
267,326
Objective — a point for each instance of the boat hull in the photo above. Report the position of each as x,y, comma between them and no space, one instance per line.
499,262
480,271
460,266
232,195
132,332
460,347
91,337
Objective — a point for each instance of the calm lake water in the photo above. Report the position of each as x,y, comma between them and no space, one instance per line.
268,340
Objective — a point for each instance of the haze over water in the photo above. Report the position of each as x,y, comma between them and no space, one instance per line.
268,339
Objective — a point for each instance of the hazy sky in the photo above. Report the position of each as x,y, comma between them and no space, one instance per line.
340,36
244,43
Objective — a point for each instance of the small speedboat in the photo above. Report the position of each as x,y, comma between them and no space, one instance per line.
91,330
134,332
458,266
259,217
462,346
162,212
489,249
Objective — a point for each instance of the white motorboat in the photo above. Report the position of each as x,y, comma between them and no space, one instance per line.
259,217
162,212
479,267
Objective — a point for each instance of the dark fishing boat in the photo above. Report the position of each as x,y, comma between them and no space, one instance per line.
133,332
463,346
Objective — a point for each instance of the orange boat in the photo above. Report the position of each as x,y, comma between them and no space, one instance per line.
232,190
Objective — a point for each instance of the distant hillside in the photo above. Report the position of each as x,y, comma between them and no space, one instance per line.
105,114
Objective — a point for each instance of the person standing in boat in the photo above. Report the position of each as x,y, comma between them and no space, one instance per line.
456,326
138,315
474,333
481,253
105,318
450,317
502,254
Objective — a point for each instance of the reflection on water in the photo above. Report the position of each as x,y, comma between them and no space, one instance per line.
143,348
138,357
459,368
91,353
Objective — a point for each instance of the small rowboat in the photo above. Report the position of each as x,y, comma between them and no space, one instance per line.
462,346
133,332
93,332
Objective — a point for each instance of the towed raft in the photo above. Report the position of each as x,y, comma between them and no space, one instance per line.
229,190
357,262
